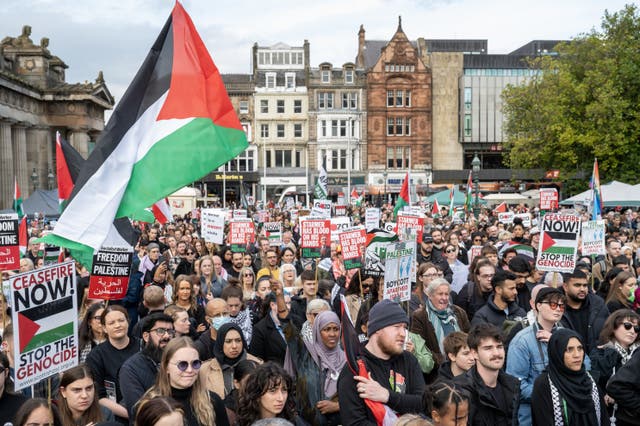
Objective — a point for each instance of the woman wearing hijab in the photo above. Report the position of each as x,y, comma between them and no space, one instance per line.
565,394
229,349
316,366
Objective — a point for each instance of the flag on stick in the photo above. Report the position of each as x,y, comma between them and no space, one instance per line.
451,197
65,182
435,208
162,211
404,198
468,202
596,210
17,198
174,124
501,208
320,191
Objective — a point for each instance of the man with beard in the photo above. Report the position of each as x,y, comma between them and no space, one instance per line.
493,394
585,312
521,268
395,378
138,373
425,254
237,262
502,304
438,243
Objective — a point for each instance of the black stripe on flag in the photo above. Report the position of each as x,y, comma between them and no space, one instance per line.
150,83
562,235
49,309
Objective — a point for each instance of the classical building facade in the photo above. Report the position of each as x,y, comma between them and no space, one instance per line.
35,102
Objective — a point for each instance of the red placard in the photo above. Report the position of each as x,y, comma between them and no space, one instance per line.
409,222
241,233
110,274
9,242
548,198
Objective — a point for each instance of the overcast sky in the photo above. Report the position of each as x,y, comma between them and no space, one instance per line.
115,35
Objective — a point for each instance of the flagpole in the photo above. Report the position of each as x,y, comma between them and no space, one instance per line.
349,159
224,186
306,174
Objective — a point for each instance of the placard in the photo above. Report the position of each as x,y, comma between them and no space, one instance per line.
213,225
321,208
372,218
593,242
352,242
558,246
548,198
339,224
409,227
44,313
341,210
526,219
9,242
375,251
397,275
506,217
110,273
273,231
314,236
241,233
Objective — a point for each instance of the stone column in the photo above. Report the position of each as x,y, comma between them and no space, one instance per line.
40,153
79,139
6,165
20,166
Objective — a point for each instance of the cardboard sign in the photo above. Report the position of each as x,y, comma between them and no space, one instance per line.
372,218
314,236
352,242
239,214
341,210
241,233
391,227
526,219
273,231
474,251
213,225
558,247
593,242
110,273
376,250
9,242
409,227
506,217
548,198
339,224
45,317
321,208
399,259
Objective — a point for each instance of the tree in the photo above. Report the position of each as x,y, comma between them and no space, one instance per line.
584,103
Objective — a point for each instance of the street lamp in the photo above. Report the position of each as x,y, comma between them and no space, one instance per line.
428,171
34,179
475,169
51,179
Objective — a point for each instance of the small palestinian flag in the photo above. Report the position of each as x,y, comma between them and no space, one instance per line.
17,198
558,242
403,198
162,211
65,182
174,124
23,241
435,208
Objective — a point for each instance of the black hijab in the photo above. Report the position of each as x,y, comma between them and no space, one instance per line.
575,387
218,348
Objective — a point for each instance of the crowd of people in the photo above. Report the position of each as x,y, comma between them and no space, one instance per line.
211,336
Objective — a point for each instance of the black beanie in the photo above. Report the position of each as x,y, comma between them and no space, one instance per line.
383,314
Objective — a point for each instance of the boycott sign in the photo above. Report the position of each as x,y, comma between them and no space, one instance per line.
593,238
314,234
44,314
372,218
352,241
213,225
548,198
110,273
397,274
241,234
558,242
409,227
9,244
273,231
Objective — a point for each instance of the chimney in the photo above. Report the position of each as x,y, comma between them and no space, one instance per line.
360,57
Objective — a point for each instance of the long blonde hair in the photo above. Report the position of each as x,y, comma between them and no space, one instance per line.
200,401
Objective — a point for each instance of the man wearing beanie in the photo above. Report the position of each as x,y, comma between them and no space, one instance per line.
395,376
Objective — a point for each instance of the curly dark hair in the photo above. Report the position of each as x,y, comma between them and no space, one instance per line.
264,378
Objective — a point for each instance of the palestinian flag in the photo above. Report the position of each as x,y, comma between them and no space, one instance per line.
17,198
38,327
435,208
174,124
501,208
451,198
23,241
468,201
64,150
558,242
320,191
403,199
162,211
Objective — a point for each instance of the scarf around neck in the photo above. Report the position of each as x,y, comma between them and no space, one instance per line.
444,322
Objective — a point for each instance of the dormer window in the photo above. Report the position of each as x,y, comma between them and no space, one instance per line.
326,76
348,76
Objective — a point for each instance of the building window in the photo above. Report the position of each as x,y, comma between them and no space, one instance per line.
267,160
348,76
343,128
390,98
298,158
349,100
467,98
323,128
247,130
398,126
280,130
264,106
290,80
280,106
407,98
338,159
283,158
399,98
326,76
297,106
325,100
467,125
264,130
245,162
399,157
334,127
390,126
244,107
297,130
407,127
271,80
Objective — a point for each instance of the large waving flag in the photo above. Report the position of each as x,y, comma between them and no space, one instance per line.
320,191
64,150
403,199
174,124
596,211
17,198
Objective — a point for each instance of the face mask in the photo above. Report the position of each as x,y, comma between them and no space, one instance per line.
218,322
632,297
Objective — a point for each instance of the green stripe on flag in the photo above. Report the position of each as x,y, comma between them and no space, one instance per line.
81,253
560,250
195,149
50,336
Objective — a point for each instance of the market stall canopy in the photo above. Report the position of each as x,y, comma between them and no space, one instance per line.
42,202
458,198
509,198
614,194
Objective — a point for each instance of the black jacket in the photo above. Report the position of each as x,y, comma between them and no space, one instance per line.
470,299
493,315
298,312
598,314
136,376
405,373
205,345
267,343
437,260
483,409
624,387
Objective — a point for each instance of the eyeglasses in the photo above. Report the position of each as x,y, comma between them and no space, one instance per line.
97,317
184,365
555,305
190,253
248,275
162,331
450,251
628,326
477,240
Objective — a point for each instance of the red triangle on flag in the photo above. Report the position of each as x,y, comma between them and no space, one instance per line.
547,241
26,330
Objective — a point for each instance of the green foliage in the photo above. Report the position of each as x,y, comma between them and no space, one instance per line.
584,104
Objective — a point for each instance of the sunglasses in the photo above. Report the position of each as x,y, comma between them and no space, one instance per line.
190,253
184,365
629,326
555,305
248,275
450,251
